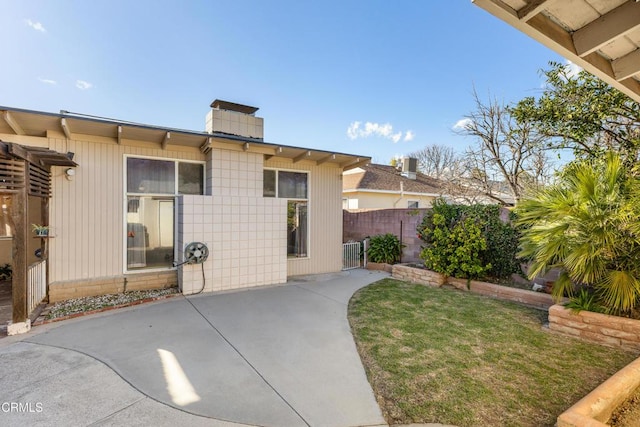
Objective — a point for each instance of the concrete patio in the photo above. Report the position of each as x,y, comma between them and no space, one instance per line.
273,356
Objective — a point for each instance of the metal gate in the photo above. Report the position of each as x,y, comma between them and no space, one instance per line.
350,255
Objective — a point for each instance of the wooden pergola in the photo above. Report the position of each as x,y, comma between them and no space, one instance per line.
24,172
601,36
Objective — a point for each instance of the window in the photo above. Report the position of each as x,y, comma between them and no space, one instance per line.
413,204
293,186
5,219
152,185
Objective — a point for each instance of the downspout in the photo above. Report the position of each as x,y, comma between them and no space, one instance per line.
401,194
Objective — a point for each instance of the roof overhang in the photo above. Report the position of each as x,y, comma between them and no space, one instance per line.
15,121
603,37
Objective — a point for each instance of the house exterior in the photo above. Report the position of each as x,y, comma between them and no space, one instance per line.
123,217
374,186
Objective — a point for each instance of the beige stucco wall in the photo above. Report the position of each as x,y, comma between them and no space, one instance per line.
87,213
325,217
368,200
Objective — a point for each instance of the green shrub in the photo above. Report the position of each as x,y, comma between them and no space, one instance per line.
384,248
585,300
498,259
455,251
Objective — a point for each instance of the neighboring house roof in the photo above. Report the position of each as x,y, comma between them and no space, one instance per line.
37,123
387,178
603,37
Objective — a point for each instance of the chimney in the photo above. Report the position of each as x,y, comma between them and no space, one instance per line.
409,167
234,119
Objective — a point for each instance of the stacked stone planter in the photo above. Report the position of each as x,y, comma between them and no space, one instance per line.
601,328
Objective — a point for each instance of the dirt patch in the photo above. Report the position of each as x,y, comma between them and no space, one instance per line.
628,414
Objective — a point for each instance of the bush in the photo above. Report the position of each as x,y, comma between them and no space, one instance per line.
495,256
455,251
384,248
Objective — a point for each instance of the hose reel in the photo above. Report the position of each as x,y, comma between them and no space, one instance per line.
194,253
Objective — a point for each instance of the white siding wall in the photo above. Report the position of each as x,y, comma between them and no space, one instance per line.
325,218
87,213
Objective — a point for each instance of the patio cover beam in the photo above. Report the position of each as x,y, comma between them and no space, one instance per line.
302,156
165,140
65,128
13,124
617,23
545,30
533,8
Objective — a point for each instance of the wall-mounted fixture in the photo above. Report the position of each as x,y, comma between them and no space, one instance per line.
70,173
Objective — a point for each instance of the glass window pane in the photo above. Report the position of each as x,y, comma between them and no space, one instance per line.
269,183
292,185
150,176
297,229
190,178
5,219
149,232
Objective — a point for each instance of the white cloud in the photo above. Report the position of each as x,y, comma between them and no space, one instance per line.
35,25
462,124
48,81
409,135
83,85
385,130
572,69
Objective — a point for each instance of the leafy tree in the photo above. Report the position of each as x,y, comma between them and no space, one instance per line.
508,156
582,113
588,225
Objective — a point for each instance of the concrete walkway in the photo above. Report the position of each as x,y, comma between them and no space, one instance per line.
278,356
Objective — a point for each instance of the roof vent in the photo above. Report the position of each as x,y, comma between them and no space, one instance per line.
409,167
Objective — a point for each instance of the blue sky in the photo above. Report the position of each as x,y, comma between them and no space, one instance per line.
318,70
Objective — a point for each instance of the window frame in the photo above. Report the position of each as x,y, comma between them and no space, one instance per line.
417,202
307,200
173,196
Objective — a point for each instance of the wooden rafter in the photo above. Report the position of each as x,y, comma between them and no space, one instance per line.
326,159
533,8
13,123
65,128
544,28
165,140
627,66
616,23
302,156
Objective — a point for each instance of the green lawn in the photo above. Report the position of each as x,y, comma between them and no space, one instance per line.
442,355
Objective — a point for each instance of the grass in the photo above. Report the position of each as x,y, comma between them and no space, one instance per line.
441,355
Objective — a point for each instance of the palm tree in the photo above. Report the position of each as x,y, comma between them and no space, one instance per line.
588,225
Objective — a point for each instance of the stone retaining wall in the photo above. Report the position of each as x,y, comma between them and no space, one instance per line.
601,328
431,278
61,291
596,408
417,275
523,296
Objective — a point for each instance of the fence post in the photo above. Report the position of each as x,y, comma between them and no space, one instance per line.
365,245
